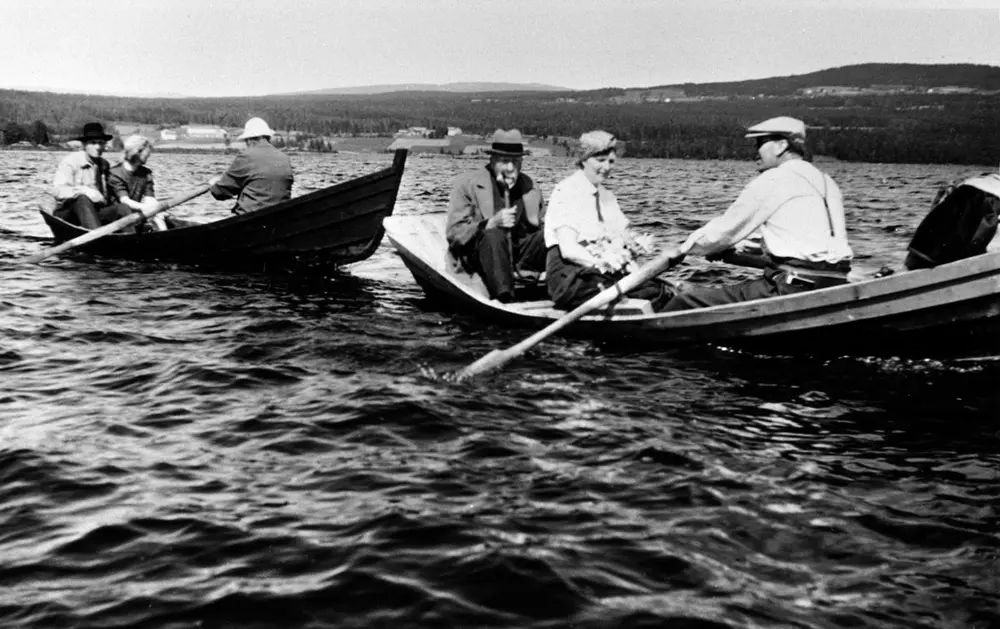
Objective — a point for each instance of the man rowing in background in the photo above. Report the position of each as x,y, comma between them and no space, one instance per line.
799,212
260,176
494,224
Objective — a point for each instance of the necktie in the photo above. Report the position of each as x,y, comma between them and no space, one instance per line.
597,202
100,179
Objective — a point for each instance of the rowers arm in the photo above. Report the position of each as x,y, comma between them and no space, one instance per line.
738,222
231,183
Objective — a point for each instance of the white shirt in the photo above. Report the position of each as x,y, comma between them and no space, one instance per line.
786,204
573,204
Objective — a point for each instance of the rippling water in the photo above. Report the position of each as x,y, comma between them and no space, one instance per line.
192,449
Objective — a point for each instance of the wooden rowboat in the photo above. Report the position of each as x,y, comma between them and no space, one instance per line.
950,310
315,233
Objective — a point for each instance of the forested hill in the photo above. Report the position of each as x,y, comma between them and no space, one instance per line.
864,76
876,112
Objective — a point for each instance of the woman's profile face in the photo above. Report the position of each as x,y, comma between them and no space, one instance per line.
596,168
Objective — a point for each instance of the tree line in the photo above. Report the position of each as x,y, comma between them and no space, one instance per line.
902,128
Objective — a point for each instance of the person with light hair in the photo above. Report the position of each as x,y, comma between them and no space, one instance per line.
130,182
799,213
258,177
590,246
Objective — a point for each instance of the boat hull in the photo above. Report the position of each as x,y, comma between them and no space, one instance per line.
948,311
316,232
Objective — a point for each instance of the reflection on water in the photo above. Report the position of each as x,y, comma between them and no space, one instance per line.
182,448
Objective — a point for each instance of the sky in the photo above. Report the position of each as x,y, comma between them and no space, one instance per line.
253,47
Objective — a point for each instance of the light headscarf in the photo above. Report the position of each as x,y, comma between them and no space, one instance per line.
134,145
594,142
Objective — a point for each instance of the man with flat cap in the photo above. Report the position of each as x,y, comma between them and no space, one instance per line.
494,224
80,185
798,212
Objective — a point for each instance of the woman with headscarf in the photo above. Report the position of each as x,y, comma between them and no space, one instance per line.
589,244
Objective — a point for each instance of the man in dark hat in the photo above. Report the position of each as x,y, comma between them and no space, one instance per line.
494,225
80,183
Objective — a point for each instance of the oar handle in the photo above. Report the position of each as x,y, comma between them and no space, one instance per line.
498,358
742,258
110,228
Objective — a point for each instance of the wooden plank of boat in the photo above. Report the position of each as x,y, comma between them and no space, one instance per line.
316,232
953,307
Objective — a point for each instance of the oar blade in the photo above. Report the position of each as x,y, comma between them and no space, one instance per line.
497,358
494,360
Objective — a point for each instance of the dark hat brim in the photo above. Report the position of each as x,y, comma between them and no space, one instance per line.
504,153
506,150
103,137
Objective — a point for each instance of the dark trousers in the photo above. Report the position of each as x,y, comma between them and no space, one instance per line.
498,256
80,210
773,283
571,284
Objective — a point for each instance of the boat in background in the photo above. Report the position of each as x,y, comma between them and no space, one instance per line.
952,310
314,233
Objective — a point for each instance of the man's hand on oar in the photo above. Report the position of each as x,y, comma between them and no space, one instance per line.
667,259
110,228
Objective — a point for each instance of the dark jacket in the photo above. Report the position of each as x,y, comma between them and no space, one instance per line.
260,176
962,221
474,199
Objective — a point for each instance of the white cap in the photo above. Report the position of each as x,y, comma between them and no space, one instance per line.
255,128
791,128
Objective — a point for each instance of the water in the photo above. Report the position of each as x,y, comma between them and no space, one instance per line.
190,449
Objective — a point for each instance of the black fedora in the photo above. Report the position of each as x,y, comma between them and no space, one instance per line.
93,131
507,143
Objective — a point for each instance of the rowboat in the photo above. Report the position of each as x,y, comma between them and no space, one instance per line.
952,310
313,233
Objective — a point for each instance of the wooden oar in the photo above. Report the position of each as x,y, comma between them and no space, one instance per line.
497,358
743,258
104,230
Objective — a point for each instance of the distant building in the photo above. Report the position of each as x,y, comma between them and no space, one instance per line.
651,95
414,132
424,145
951,89
203,132
830,90
454,131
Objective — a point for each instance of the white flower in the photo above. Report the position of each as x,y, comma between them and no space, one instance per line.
617,255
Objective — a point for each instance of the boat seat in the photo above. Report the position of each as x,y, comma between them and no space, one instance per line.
527,275
623,307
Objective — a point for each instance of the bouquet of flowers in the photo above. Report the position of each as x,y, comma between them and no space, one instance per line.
618,255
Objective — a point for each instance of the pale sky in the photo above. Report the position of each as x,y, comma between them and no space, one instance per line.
248,47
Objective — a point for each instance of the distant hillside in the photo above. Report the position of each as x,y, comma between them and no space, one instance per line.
875,112
868,75
480,87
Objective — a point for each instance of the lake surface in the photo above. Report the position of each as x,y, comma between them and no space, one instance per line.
191,449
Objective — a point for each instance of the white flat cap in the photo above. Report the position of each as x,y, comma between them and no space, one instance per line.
792,128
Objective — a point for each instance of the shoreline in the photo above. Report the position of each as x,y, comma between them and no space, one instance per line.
819,159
